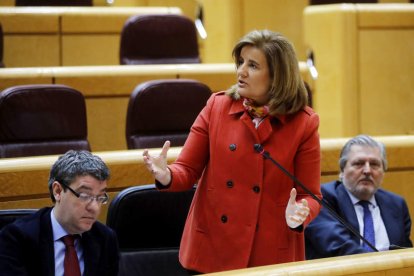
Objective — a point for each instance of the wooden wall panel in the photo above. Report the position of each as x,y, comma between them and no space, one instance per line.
364,56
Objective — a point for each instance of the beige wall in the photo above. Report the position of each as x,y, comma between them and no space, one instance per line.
228,20
283,16
365,58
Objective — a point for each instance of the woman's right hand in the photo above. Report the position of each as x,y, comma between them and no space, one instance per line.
157,165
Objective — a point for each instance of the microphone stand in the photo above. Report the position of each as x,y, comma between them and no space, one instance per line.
259,149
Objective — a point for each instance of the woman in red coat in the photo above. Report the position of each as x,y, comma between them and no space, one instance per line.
246,212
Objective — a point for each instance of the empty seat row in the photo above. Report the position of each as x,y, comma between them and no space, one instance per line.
154,39
51,119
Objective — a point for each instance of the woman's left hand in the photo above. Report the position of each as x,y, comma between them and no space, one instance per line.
296,212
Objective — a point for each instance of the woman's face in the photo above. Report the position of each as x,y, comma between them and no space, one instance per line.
253,75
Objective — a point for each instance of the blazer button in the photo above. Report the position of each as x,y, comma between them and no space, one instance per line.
256,189
230,184
232,147
223,218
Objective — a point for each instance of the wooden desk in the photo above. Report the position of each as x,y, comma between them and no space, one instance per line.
23,181
107,90
390,263
365,58
64,36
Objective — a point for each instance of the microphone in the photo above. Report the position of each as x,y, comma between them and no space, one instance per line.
259,149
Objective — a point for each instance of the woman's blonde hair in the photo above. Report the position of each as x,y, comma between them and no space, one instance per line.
287,92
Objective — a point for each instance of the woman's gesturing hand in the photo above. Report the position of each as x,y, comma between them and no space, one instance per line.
157,165
296,213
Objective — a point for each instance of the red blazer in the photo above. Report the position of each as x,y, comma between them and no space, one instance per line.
237,217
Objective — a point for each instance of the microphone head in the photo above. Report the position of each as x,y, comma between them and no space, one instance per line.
258,148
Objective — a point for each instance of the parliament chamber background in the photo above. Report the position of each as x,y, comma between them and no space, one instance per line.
363,54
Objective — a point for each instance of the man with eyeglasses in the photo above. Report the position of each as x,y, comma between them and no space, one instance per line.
65,239
381,217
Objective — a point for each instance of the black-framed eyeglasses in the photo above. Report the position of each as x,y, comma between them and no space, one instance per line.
84,197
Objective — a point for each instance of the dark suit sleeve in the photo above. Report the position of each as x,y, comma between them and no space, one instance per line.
113,265
101,252
12,251
407,226
326,237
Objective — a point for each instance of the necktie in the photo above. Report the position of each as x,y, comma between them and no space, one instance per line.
71,263
369,233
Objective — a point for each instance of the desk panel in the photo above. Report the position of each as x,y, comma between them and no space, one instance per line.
90,49
23,181
389,263
29,20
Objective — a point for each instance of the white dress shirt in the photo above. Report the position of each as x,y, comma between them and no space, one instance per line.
58,233
382,242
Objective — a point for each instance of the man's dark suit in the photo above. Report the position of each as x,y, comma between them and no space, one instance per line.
326,237
27,248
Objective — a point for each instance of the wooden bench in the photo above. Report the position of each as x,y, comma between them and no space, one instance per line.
48,42
65,36
23,181
107,90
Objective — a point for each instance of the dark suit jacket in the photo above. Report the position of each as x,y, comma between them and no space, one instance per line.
26,247
326,237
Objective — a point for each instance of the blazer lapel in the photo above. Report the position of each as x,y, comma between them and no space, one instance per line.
46,245
390,217
265,129
247,120
91,253
263,132
348,209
